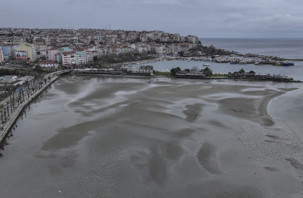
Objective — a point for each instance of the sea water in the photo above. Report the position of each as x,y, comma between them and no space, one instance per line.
291,48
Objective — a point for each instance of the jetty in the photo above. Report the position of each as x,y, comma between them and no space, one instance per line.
238,75
13,105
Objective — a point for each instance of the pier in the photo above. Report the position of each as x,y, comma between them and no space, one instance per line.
13,105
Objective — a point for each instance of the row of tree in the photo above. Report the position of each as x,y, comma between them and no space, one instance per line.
4,72
206,71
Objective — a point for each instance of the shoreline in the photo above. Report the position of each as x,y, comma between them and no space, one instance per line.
277,116
14,116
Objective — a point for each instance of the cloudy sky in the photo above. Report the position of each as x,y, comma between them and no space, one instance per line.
204,18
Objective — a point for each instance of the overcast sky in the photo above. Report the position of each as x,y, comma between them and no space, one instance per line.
204,18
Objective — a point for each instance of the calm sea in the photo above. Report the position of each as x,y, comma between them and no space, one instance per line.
286,47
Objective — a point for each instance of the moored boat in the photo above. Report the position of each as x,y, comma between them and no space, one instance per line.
286,63
283,63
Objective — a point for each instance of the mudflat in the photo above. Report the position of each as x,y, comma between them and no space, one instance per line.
106,137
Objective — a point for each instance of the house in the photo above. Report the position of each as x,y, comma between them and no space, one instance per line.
80,57
90,53
7,52
176,38
49,64
1,55
159,49
60,52
68,58
26,51
192,39
51,54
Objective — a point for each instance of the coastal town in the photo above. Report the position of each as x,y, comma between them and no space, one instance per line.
151,98
31,59
67,47
32,51
71,48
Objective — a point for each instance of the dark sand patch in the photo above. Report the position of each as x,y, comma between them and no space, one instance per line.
254,109
271,169
273,139
192,112
68,137
273,136
65,84
185,133
257,93
207,158
266,120
157,168
295,163
288,89
239,107
217,123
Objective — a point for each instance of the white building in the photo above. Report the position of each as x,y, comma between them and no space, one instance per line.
49,64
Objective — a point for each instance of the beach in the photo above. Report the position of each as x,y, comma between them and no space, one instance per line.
114,137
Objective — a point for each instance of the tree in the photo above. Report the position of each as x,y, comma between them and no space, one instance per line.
252,72
174,71
95,59
241,71
194,69
207,71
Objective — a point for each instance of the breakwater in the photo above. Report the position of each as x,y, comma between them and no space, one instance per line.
243,77
246,76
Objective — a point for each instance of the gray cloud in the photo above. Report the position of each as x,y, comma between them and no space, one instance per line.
207,18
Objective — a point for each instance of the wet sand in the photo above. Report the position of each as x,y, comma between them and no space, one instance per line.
105,137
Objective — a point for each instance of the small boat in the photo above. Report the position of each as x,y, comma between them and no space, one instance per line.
233,62
206,64
286,63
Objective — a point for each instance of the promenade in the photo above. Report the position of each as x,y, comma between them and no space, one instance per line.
13,105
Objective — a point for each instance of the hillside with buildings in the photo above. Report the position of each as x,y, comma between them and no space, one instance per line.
72,48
